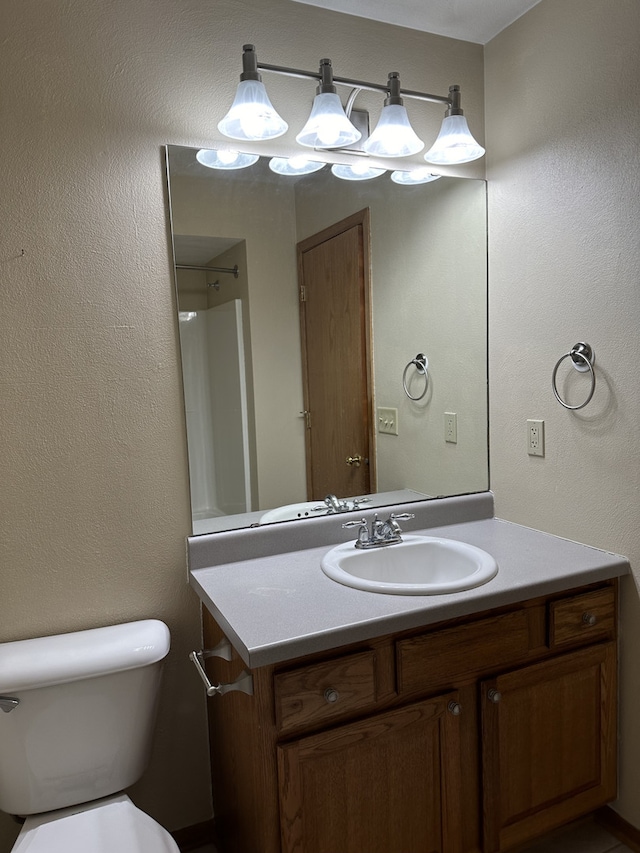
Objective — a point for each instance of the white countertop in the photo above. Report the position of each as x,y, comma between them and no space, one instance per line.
283,606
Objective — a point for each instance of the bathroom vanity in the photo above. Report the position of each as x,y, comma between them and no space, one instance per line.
473,721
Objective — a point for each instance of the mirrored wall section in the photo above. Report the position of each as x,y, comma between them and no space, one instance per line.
317,294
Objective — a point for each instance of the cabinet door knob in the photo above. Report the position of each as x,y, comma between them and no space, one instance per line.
589,619
331,695
454,708
494,696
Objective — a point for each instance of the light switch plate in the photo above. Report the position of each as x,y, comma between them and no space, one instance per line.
387,420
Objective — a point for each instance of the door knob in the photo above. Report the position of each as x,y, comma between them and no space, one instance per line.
355,460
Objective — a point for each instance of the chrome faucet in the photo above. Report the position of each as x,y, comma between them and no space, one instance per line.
335,504
381,533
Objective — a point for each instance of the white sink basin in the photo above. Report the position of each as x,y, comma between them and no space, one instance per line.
419,565
306,509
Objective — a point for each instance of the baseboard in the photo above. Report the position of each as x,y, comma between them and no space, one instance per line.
192,837
618,826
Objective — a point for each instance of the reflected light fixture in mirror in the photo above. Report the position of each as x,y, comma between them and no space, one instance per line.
416,176
298,165
329,127
360,171
225,159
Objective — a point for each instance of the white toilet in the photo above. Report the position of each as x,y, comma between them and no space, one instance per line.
79,711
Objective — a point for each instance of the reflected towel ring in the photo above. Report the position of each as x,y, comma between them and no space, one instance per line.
583,358
421,363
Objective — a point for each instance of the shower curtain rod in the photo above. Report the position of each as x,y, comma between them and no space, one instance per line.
231,270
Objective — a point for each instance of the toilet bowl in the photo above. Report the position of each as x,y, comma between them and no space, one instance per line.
79,711
112,825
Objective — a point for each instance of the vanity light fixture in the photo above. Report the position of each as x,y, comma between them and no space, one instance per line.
360,171
253,117
454,144
225,158
298,165
421,175
328,125
393,136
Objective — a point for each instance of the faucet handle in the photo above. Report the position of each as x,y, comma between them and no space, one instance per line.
400,516
363,532
361,523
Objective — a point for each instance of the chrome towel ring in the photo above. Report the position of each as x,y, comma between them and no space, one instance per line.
583,358
421,363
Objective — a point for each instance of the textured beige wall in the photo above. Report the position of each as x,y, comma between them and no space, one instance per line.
94,507
562,95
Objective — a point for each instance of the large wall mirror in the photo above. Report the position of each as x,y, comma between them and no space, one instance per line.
303,305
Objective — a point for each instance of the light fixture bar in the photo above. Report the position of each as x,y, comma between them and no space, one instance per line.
358,84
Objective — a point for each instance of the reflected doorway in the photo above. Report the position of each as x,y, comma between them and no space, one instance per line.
335,321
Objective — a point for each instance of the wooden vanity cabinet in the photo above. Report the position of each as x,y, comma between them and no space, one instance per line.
477,734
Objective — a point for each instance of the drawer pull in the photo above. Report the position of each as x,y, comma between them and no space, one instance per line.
494,696
589,619
331,695
454,708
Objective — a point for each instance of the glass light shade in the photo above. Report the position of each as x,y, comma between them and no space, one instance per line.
225,159
422,175
252,115
358,172
454,144
298,165
328,125
393,136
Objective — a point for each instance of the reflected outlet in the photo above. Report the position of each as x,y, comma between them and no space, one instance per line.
387,420
451,427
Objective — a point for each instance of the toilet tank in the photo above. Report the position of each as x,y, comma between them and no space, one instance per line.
84,723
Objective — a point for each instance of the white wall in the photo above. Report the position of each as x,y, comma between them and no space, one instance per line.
562,95
95,506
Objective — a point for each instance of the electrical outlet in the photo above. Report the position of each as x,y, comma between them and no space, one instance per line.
535,438
451,427
387,420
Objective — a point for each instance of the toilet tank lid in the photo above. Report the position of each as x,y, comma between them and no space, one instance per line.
43,661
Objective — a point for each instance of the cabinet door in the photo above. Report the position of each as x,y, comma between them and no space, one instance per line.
387,784
549,744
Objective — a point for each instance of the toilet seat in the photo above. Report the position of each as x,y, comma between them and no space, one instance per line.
103,826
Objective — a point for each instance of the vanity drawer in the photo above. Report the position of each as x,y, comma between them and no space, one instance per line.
585,617
325,691
431,661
